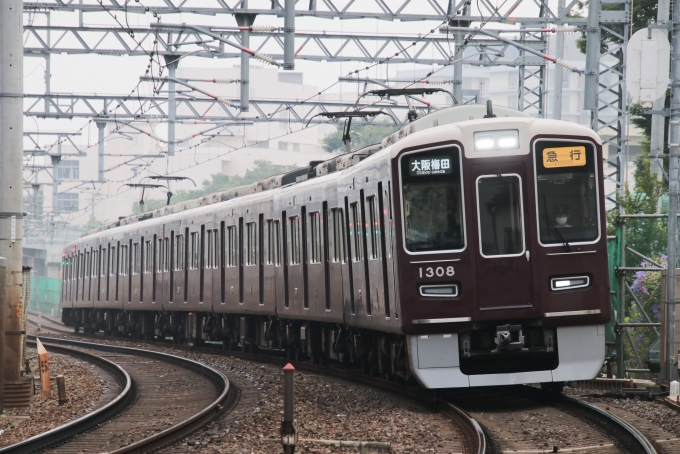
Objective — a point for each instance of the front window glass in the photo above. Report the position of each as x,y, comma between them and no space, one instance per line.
566,192
433,218
499,204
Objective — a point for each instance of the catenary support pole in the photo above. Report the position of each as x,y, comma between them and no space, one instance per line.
559,72
3,269
592,61
656,142
171,61
245,20
671,370
289,36
458,37
11,182
101,126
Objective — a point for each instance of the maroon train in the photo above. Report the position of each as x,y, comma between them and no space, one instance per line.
462,251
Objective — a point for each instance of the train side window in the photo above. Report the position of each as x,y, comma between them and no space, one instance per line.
251,243
112,265
270,242
374,229
232,246
148,257
179,253
294,222
194,249
136,258
355,232
315,237
159,255
104,262
166,254
216,249
277,242
208,253
339,254
566,192
122,269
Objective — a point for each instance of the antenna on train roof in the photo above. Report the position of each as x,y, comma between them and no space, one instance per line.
489,110
348,124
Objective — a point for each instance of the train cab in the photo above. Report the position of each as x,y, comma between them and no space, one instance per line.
501,250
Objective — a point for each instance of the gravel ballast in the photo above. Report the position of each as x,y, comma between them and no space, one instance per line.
84,386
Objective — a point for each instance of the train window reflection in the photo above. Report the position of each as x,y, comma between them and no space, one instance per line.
432,201
501,223
566,192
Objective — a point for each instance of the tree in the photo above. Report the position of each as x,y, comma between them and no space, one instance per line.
362,136
217,182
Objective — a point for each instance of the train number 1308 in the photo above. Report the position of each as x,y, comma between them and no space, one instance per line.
438,271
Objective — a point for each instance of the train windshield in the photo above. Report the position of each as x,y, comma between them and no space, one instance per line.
566,192
431,190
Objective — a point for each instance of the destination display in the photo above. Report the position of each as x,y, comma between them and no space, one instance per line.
429,165
564,157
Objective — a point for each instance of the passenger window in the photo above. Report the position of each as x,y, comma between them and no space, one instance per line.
232,246
277,242
216,249
194,250
355,232
338,235
122,271
208,253
501,223
179,256
294,240
148,257
136,258
113,257
88,265
166,254
315,237
432,201
374,229
159,255
566,190
251,243
270,242
104,262
95,263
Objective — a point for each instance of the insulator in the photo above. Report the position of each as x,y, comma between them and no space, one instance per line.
565,65
185,139
263,28
265,58
565,29
225,81
155,137
225,101
435,81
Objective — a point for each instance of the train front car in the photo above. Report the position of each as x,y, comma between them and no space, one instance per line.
501,251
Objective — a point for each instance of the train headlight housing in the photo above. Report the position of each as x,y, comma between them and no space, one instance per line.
558,284
439,290
502,139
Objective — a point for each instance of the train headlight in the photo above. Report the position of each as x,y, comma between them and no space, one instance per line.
503,139
439,291
569,283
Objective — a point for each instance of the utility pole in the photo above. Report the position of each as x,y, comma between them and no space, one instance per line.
11,180
670,365
289,36
559,72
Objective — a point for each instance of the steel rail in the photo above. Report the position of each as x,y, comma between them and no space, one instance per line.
170,434
472,434
62,433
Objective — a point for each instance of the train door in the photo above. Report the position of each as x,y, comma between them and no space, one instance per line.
136,251
502,242
192,288
337,240
231,262
218,264
271,261
361,302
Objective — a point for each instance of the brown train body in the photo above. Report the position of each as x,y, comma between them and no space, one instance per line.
452,277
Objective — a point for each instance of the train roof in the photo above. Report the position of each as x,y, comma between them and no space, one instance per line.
461,115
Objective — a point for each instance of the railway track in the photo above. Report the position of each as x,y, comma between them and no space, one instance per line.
499,420
164,397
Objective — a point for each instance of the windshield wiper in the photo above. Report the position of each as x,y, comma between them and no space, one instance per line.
553,228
